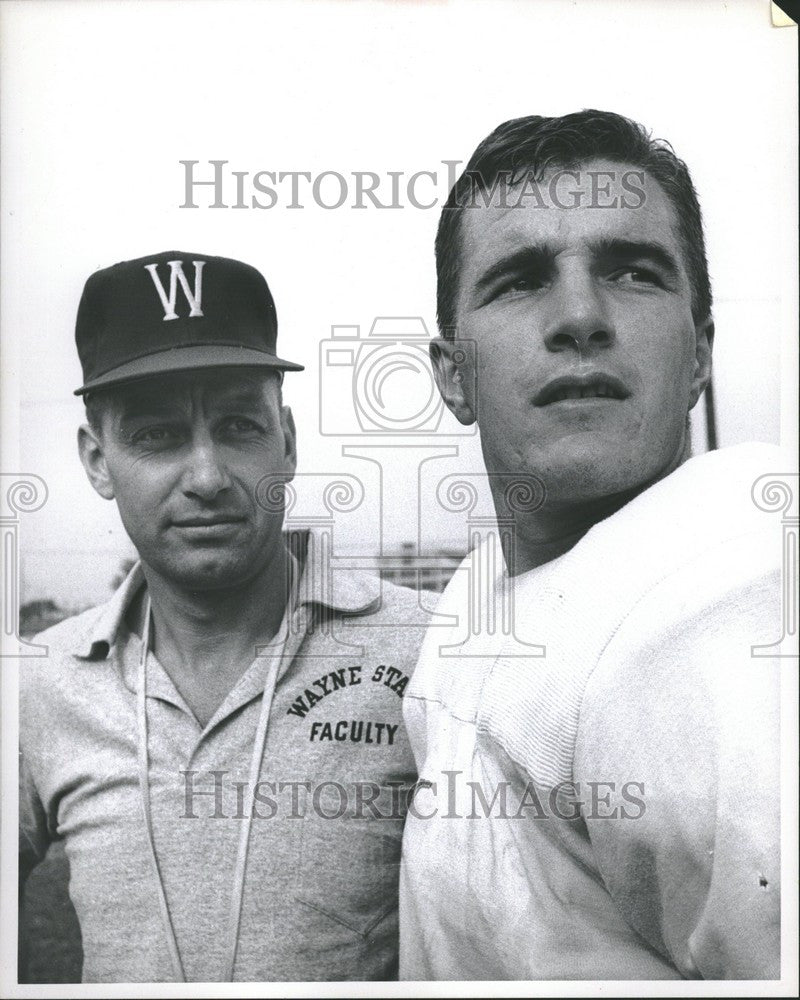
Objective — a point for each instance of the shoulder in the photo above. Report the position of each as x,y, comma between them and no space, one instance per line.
706,589
71,633
694,559
659,605
691,564
712,497
396,601
685,678
394,624
65,648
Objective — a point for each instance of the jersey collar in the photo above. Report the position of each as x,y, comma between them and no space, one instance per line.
346,591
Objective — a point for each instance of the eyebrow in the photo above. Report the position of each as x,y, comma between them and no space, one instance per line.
540,256
528,258
646,250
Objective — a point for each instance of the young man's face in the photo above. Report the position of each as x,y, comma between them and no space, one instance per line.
183,456
600,298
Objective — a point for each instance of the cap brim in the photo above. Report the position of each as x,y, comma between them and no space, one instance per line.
186,359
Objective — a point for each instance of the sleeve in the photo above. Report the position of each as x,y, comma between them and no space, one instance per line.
34,830
687,723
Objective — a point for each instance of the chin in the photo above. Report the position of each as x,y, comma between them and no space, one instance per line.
581,471
210,573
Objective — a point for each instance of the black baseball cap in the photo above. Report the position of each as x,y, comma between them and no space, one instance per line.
174,312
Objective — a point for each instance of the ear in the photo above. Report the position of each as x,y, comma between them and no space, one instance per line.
454,370
704,345
92,453
290,439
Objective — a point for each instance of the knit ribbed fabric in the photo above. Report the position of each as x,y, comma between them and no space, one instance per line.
645,622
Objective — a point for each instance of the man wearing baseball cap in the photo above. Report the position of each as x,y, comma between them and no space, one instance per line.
226,782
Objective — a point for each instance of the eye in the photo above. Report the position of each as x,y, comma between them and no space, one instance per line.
520,284
636,276
157,435
241,426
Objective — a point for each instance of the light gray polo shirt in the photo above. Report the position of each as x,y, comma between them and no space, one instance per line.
320,895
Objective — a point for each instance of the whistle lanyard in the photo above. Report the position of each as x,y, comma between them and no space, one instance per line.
235,910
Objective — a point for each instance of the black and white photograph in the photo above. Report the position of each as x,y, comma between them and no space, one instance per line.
398,424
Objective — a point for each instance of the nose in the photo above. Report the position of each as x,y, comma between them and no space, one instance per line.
578,318
206,474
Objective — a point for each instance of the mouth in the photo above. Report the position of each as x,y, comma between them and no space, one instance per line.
208,522
591,386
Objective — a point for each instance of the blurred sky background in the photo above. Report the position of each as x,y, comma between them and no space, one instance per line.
100,102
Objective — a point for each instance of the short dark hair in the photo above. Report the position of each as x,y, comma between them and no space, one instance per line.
528,147
99,401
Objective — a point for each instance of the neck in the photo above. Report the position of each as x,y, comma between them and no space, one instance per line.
558,526
539,538
194,627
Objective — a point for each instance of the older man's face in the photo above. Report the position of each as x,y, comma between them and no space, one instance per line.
588,359
184,457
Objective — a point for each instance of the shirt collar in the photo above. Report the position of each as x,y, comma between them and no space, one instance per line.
101,635
347,591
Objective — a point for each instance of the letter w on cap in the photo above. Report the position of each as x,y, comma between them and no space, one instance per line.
195,299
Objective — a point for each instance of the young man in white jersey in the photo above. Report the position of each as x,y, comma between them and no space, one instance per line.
600,782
